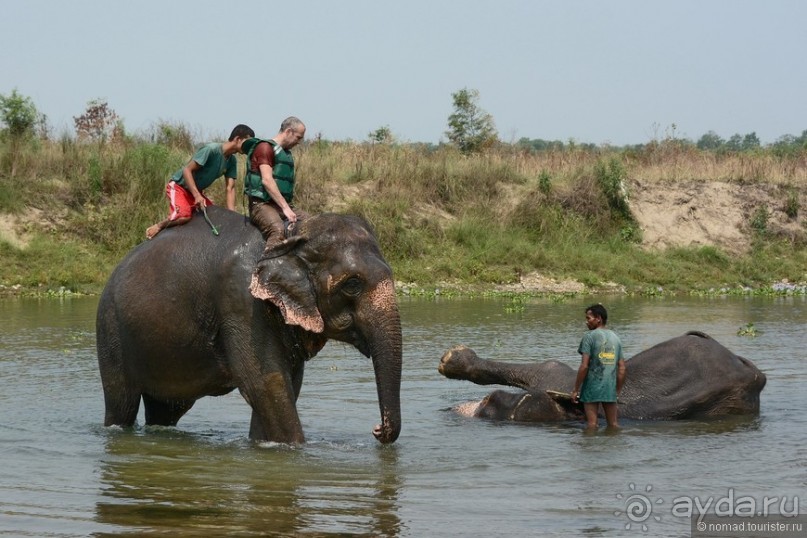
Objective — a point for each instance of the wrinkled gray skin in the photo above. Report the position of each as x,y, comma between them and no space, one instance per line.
687,377
183,316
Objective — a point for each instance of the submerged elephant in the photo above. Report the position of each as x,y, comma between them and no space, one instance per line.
187,315
687,377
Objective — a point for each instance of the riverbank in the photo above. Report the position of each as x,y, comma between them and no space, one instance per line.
506,222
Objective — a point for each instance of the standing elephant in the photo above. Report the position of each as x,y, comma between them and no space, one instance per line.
191,314
687,377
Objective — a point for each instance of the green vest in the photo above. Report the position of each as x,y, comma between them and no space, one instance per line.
282,172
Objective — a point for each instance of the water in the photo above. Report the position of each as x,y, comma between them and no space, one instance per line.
63,474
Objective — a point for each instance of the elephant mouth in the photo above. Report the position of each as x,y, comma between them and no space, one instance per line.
343,329
361,344
354,338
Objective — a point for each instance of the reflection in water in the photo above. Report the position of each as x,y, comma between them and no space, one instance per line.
702,427
168,481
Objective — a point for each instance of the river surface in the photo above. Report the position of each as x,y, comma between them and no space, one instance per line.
63,474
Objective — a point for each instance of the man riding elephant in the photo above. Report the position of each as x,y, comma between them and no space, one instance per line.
269,181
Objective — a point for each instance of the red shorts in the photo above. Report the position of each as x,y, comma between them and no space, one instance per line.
181,201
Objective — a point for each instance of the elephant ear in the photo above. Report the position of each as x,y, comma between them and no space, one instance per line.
282,277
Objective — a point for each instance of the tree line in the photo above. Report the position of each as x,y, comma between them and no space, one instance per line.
470,128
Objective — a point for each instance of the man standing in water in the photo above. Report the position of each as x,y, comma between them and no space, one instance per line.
602,369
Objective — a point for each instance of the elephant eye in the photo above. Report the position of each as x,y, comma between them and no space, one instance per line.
352,286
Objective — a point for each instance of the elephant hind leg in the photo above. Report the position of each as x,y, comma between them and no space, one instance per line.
121,410
256,429
162,413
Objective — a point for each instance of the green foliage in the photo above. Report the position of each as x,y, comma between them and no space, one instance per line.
708,256
516,305
792,204
388,218
382,135
538,144
10,200
611,177
738,142
545,182
173,136
790,145
52,262
749,330
710,141
19,115
759,220
631,233
94,174
470,128
20,118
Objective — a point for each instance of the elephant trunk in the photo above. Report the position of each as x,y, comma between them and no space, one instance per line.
384,339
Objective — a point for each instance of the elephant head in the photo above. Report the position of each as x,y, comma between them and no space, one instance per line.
332,280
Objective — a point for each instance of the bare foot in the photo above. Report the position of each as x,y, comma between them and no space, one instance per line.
152,230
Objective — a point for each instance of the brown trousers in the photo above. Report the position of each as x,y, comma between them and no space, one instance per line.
269,219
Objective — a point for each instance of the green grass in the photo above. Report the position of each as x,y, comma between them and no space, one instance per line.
441,217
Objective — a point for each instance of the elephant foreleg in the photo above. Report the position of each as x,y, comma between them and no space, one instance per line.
274,413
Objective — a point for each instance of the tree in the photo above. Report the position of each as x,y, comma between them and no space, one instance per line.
382,135
20,117
735,143
471,129
751,141
710,141
99,122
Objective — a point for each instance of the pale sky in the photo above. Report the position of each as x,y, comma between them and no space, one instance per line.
619,72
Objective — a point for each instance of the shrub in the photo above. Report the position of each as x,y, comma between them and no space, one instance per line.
611,177
545,182
759,220
792,204
177,137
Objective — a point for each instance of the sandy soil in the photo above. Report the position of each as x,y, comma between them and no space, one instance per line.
14,228
693,213
699,213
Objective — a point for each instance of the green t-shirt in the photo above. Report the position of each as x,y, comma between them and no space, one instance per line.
213,165
604,350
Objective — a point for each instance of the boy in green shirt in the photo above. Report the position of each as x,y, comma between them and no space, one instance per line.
185,190
602,369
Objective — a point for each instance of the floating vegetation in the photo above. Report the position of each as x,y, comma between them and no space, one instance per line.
749,330
517,304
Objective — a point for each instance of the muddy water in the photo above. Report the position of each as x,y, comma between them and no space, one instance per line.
63,474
